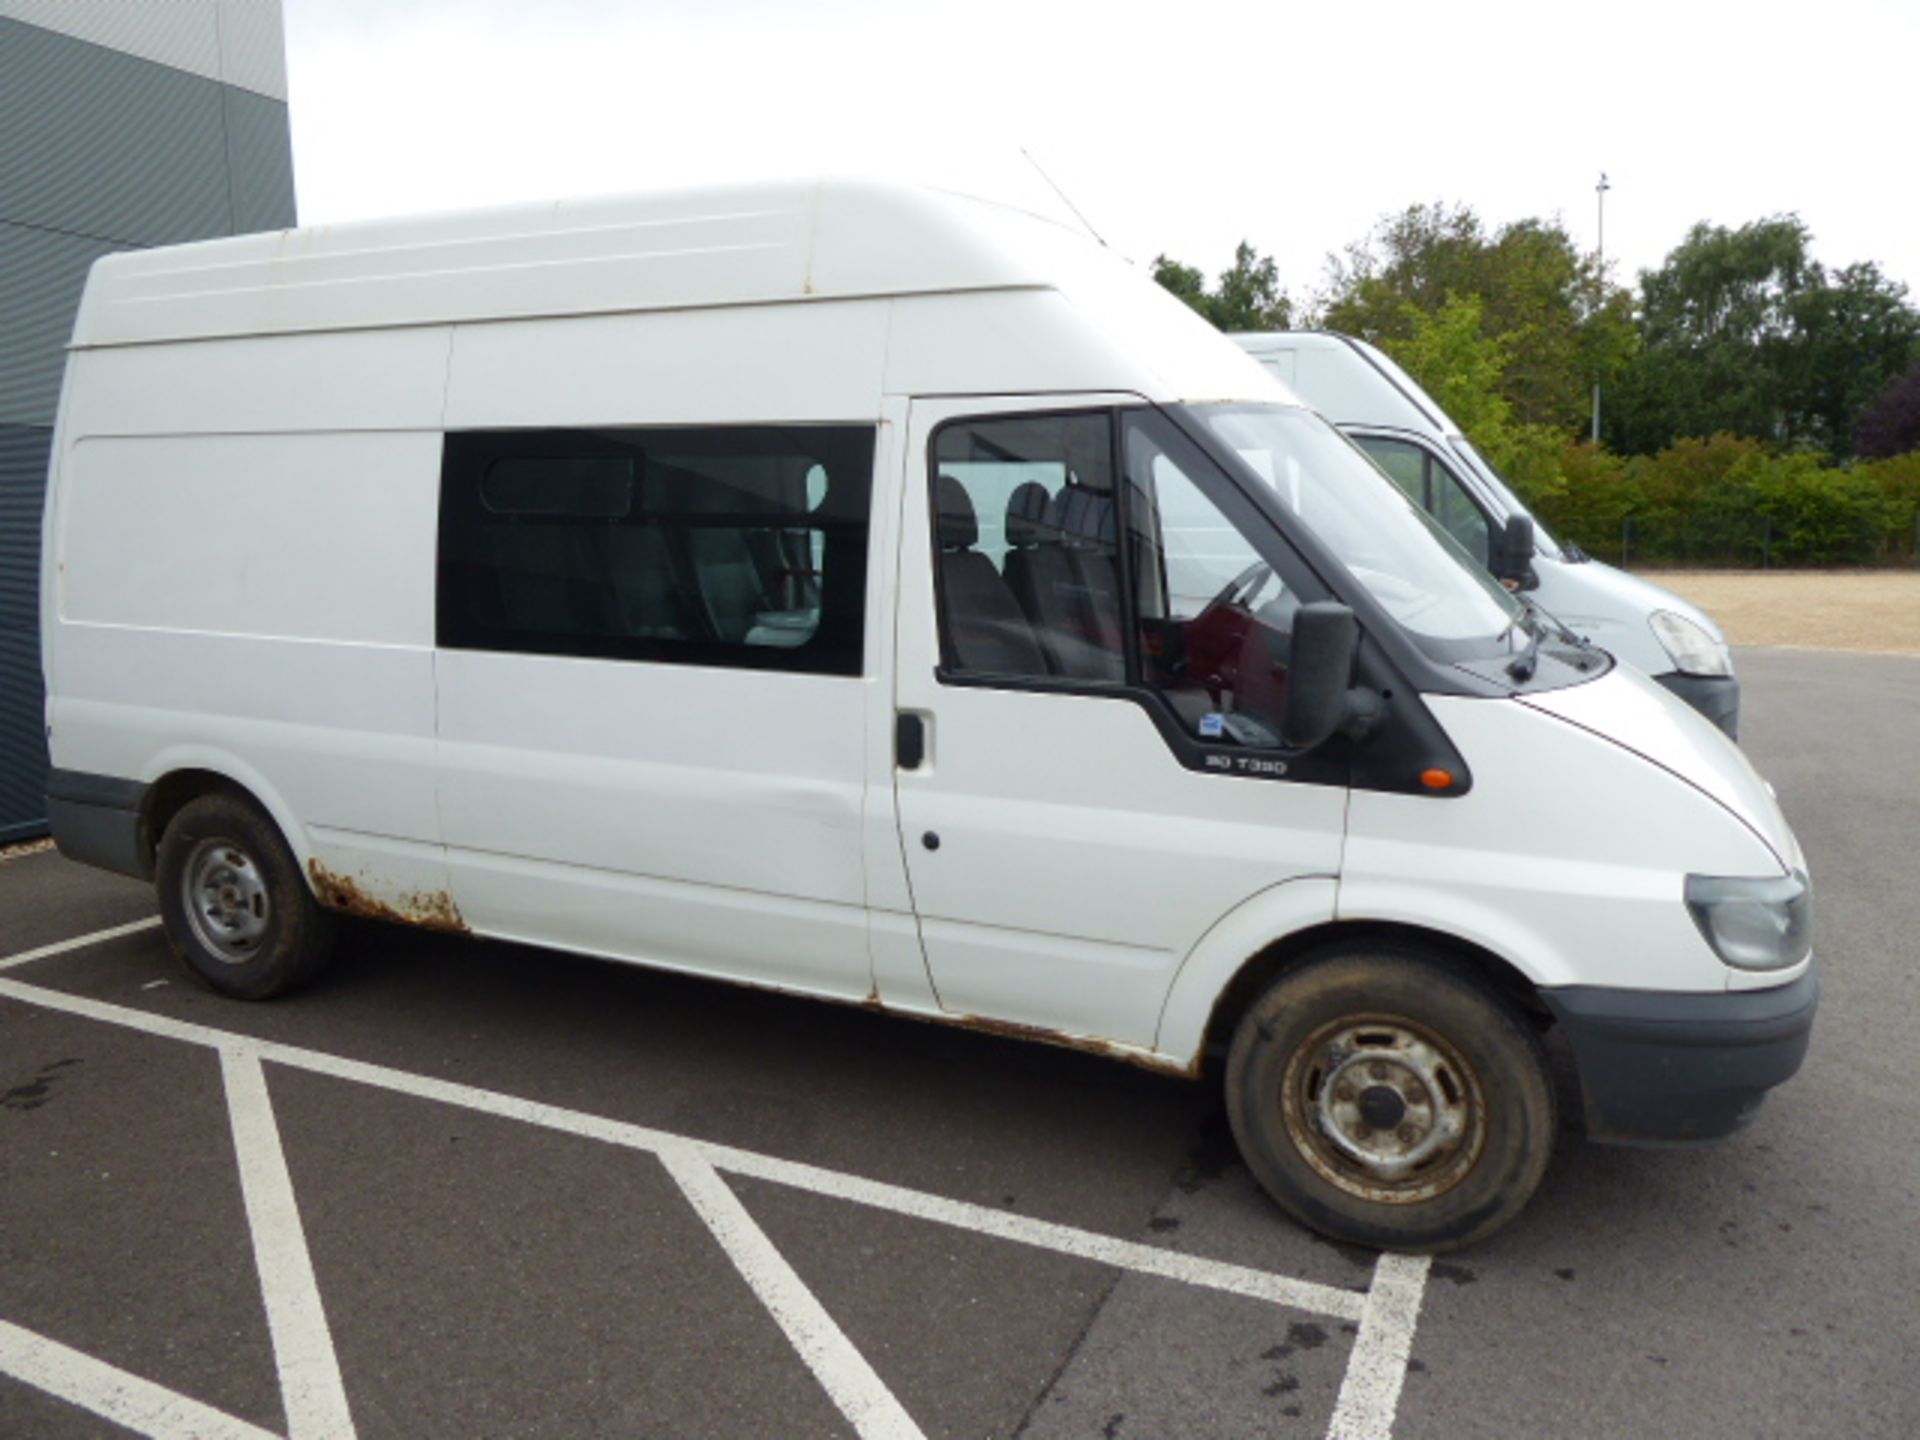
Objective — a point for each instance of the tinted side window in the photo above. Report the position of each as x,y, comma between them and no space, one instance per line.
1459,514
1433,487
1026,543
1406,464
738,545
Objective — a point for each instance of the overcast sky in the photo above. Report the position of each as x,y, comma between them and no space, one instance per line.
1175,127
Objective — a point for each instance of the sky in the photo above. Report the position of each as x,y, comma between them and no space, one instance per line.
1176,128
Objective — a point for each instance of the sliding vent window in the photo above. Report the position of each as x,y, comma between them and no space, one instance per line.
739,545
1026,537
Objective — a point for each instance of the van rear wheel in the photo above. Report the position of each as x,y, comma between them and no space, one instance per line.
234,905
1385,1097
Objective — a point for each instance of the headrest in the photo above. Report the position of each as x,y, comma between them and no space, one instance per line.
959,530
1085,517
1027,522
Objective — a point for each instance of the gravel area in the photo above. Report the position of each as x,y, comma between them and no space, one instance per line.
1868,610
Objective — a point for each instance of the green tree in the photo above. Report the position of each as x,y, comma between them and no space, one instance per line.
1744,331
1448,351
1559,325
1248,295
1853,334
1890,424
1183,280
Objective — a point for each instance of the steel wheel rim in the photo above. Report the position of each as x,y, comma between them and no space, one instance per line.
1384,1108
225,898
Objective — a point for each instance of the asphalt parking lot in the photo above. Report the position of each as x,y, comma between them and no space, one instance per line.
472,1190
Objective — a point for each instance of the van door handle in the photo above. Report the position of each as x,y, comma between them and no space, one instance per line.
909,741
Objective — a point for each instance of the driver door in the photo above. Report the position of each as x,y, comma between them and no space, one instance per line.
1091,653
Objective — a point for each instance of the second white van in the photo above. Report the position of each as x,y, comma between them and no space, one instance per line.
1386,412
894,599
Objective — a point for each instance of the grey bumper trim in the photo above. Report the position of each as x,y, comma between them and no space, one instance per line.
1659,1068
95,819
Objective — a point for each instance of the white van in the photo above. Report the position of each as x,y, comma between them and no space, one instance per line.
892,598
1388,415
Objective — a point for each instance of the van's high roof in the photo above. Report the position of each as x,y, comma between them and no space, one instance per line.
1347,380
777,243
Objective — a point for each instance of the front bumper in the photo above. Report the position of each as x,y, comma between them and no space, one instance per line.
1715,696
1666,1068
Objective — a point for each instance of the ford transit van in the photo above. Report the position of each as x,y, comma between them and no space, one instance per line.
893,598
1401,426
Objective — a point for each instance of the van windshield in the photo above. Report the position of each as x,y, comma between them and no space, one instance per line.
1416,571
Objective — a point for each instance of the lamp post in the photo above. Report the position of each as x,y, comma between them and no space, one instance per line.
1600,261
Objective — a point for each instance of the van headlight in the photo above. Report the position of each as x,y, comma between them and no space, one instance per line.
1687,643
1762,924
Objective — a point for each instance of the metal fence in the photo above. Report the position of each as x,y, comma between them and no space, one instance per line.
1746,541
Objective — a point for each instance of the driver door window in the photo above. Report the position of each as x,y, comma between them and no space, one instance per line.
1214,618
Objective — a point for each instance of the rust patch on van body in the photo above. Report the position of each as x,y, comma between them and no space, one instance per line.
1016,1031
428,909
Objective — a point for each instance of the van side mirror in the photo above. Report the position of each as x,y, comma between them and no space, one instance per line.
1321,700
1512,558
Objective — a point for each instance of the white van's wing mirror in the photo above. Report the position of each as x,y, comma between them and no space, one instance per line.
1512,558
1321,700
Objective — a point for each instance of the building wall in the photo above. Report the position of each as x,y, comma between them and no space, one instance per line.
121,126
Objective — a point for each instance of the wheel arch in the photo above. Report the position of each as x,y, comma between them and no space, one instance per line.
1299,948
1283,927
178,784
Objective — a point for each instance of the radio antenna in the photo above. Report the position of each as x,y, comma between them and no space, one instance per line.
1063,197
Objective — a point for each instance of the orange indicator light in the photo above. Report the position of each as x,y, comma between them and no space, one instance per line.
1437,779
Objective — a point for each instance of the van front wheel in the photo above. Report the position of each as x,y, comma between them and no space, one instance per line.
233,902
1387,1098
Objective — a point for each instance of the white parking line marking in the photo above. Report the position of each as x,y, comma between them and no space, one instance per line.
840,1368
79,942
1386,1313
127,1400
310,1387
1044,1234
1370,1394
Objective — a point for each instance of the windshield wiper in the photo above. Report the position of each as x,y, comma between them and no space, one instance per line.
1522,666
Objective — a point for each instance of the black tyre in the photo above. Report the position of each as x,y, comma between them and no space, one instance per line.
1387,1098
235,906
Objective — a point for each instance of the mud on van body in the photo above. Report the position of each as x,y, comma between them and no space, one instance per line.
890,598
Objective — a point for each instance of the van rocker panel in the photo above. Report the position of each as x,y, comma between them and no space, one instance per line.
1665,1068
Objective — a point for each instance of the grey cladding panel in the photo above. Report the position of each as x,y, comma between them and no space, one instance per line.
182,33
23,483
41,276
23,755
23,742
260,151
99,143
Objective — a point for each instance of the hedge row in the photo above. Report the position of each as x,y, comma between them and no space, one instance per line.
1727,500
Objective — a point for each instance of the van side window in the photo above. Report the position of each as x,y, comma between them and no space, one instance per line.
1433,487
1026,539
736,545
1215,619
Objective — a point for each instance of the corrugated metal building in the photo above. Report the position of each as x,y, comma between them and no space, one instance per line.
123,124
